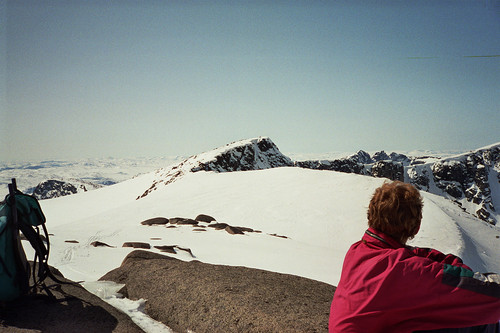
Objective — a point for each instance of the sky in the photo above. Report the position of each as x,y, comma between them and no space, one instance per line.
127,78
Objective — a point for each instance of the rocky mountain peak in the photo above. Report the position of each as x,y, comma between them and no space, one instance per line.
470,178
252,154
52,188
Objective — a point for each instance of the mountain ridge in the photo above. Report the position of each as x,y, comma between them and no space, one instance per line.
471,179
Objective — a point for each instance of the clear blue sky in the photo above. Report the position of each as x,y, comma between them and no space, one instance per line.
156,78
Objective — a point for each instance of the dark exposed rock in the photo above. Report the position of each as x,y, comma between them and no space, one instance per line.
361,157
341,165
137,245
171,249
381,156
245,229
234,230
155,221
71,241
190,295
53,189
218,226
388,169
464,177
254,154
57,188
185,249
182,221
98,244
279,236
204,218
395,157
166,248
419,177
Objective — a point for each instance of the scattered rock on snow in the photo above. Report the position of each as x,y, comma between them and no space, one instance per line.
234,230
204,218
171,249
166,248
97,243
182,220
218,226
155,221
276,235
137,245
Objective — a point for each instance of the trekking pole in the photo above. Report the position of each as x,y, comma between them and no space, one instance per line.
12,198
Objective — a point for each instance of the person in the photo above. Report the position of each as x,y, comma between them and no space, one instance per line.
387,286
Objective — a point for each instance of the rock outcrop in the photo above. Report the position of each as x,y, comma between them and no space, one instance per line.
200,297
469,179
74,309
57,188
253,154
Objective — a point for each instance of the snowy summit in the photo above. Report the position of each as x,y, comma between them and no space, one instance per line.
270,214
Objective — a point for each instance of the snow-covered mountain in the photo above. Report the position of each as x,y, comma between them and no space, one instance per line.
268,215
472,179
52,188
252,154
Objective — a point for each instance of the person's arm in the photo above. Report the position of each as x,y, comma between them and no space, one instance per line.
435,255
451,295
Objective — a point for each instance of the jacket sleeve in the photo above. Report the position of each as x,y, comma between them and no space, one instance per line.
437,256
449,296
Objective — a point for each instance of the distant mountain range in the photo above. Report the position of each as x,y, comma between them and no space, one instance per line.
471,180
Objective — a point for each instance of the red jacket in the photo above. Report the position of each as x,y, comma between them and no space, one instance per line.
389,287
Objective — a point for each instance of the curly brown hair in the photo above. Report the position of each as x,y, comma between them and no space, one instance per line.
396,210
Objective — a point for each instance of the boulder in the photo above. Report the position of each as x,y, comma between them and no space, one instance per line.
137,245
218,226
204,218
234,230
155,221
73,310
166,248
182,220
100,244
190,295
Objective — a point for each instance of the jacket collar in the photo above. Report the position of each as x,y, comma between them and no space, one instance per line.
374,236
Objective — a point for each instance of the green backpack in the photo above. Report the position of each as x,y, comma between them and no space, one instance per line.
21,212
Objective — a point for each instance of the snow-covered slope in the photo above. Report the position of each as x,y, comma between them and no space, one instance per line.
294,220
470,179
320,212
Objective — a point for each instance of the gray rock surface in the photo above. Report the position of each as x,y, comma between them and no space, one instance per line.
74,310
216,298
